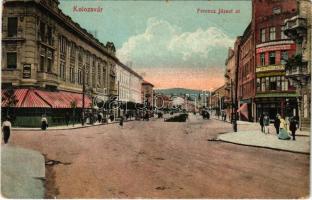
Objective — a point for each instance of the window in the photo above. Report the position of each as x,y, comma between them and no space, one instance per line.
267,83
272,58
99,74
278,83
284,57
283,36
11,60
276,10
42,31
258,85
272,33
72,74
12,26
284,84
41,63
262,84
49,60
273,83
262,35
262,59
49,35
62,70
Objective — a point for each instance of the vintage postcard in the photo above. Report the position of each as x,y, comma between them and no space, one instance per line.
169,99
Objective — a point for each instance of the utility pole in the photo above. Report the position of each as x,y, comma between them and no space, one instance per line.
83,95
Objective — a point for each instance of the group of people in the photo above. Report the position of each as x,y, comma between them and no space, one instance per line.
281,126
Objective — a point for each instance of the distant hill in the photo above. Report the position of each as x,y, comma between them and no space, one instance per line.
179,91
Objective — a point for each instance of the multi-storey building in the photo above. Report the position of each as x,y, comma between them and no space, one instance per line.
298,68
216,100
274,92
128,84
230,72
44,49
147,94
246,75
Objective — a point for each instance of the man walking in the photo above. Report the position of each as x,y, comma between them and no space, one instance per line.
266,122
277,124
6,129
293,127
261,123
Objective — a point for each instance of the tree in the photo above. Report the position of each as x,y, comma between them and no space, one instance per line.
10,98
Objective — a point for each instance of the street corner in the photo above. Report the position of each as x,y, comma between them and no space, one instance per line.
269,141
22,173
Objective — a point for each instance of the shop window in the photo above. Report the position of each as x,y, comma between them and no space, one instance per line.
262,59
278,83
273,85
272,33
262,84
272,58
262,35
258,84
267,83
11,60
12,26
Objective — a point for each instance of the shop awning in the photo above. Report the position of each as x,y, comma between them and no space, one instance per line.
243,110
34,98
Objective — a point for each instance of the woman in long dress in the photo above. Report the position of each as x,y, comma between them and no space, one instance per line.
283,133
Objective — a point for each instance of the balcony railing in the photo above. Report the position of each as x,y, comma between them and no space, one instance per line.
295,26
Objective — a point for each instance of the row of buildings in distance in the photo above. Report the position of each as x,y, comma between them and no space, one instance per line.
49,61
268,69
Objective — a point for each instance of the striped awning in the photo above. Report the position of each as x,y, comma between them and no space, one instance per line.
34,98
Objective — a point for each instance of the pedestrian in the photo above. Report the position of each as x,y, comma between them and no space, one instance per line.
293,127
283,134
261,122
121,121
67,118
277,123
6,129
266,123
44,122
224,116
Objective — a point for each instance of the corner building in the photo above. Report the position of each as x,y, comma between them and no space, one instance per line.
45,51
274,92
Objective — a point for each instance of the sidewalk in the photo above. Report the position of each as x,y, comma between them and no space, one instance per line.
22,173
270,141
256,126
64,127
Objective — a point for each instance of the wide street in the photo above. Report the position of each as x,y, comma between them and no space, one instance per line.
157,159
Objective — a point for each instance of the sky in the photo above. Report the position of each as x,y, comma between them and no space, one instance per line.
170,43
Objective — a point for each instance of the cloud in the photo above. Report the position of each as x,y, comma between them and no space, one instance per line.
165,45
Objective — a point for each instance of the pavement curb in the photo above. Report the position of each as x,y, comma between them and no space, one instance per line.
69,128
271,148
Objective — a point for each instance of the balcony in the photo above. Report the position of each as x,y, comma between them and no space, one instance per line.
47,78
295,27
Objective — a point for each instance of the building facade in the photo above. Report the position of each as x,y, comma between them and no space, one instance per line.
44,49
246,75
298,68
147,94
216,101
274,92
128,84
230,72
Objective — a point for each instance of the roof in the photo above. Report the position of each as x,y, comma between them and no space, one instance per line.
128,69
147,83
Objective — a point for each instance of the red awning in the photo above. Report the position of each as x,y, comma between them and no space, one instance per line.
243,110
33,98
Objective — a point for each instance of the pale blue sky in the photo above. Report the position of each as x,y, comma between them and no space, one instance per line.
160,34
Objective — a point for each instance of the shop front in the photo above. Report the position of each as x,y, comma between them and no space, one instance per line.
286,106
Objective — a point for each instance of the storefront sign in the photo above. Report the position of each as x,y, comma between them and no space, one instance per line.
27,71
270,68
276,48
265,74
